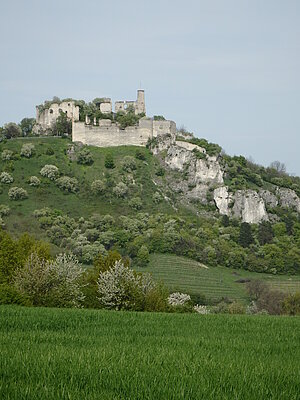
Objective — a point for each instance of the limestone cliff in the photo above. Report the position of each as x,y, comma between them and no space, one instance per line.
204,174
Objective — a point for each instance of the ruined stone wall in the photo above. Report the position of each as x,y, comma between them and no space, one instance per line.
48,116
163,127
138,105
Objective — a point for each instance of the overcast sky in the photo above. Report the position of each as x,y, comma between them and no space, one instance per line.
228,70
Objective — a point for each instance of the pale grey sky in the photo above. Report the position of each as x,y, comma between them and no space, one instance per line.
228,70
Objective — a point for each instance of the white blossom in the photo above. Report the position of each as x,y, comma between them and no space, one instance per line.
178,299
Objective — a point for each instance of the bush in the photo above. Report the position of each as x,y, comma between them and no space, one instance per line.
236,308
67,184
16,193
50,171
143,256
109,161
157,198
136,203
140,155
49,151
51,283
128,164
98,187
178,299
120,190
5,177
160,172
9,295
12,130
27,150
6,155
34,181
200,309
85,157
291,304
4,210
121,288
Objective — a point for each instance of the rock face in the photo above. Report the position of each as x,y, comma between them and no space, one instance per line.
203,173
249,206
288,198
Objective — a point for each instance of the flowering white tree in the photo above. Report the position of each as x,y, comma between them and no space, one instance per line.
34,181
53,283
17,193
178,299
121,288
27,150
5,177
200,309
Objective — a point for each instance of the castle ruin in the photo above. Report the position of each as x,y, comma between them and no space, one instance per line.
106,132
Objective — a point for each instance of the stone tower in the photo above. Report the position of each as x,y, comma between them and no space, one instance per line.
140,102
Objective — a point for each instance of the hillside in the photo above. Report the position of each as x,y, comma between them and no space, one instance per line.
136,202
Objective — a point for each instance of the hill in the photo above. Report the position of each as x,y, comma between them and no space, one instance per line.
123,198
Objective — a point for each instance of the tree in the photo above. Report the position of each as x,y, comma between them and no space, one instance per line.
246,237
278,166
143,256
291,304
265,233
62,125
12,130
27,125
85,157
109,161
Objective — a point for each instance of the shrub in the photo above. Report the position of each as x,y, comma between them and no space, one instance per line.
34,181
128,164
12,130
136,203
236,308
5,177
9,295
49,151
85,157
6,155
178,299
160,172
50,171
121,288
17,193
143,256
51,283
291,304
27,150
109,161
120,190
4,210
140,155
67,184
98,187
157,198
200,309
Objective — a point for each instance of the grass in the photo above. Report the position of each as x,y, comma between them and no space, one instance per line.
189,276
89,354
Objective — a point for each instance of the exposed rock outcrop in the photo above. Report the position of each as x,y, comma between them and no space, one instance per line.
288,198
249,206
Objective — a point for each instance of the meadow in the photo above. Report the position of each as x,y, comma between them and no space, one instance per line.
89,354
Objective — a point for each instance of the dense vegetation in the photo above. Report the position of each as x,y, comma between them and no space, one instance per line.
63,354
92,200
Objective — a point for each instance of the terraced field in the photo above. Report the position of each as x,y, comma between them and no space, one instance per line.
183,274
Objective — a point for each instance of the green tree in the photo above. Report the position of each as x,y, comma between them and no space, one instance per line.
12,130
27,125
62,125
143,256
265,233
246,237
109,161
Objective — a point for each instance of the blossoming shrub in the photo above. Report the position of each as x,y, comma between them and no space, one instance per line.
128,164
120,190
121,288
50,171
4,210
6,155
180,302
200,309
5,177
34,181
98,186
17,193
52,283
67,184
27,150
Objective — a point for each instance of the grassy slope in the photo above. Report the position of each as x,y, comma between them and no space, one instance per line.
83,203
183,274
84,354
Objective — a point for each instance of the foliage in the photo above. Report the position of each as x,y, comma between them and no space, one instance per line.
12,130
291,304
4,210
212,149
143,256
85,157
246,237
9,295
140,155
5,177
109,161
201,309
34,181
27,150
6,155
121,288
120,190
136,203
128,118
62,125
265,298
27,125
51,283
159,118
98,187
67,184
17,193
128,164
50,171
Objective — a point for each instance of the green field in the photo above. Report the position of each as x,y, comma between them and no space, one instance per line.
186,275
89,354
